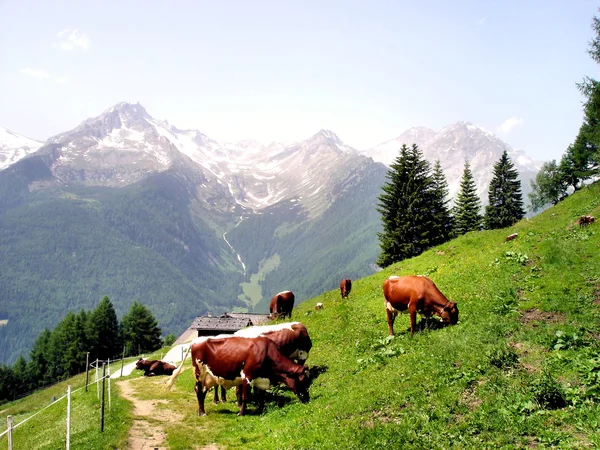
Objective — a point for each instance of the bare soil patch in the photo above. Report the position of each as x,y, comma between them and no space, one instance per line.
535,315
147,432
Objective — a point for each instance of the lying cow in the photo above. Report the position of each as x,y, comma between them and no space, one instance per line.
345,287
282,305
154,367
416,294
584,221
242,361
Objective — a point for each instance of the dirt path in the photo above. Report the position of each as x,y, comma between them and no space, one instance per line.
146,433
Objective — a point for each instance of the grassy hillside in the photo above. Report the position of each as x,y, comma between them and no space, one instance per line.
521,369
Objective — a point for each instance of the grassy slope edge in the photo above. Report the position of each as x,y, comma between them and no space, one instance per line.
521,369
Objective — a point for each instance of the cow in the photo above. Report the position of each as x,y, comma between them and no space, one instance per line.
510,237
416,294
235,360
292,338
154,367
282,305
584,221
345,287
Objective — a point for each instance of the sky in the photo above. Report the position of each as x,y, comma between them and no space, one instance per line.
282,70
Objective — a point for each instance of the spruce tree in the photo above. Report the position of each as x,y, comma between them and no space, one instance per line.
406,208
443,220
140,330
103,331
467,216
505,205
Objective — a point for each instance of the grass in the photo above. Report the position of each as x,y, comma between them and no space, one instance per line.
47,430
521,369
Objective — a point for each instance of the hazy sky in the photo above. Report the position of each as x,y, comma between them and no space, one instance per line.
282,70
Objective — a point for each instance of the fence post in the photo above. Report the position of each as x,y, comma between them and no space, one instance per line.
109,396
102,401
97,379
87,369
122,361
68,417
9,425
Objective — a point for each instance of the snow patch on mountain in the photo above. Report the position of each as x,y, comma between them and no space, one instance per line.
14,146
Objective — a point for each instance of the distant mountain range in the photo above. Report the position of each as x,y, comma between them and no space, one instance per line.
455,144
132,207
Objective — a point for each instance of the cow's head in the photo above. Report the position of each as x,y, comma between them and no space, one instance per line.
299,384
140,364
450,313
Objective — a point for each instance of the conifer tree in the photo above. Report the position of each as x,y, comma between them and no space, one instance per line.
103,331
406,208
467,216
443,219
140,330
505,205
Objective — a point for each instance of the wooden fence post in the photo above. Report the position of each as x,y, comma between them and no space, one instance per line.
122,361
87,369
9,425
68,417
102,400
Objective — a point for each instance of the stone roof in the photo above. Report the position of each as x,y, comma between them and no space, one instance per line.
256,319
220,324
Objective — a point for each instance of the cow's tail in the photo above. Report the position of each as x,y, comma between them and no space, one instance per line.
173,377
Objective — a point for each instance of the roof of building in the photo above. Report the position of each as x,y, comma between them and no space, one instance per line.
256,319
223,323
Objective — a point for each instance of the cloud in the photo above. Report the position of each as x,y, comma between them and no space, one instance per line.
39,74
43,75
510,123
72,38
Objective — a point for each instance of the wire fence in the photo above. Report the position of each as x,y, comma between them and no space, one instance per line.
99,381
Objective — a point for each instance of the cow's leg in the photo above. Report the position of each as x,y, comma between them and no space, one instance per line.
238,395
391,316
259,399
201,395
245,385
216,399
223,396
412,309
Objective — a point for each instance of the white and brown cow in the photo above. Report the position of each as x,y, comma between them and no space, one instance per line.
282,304
235,361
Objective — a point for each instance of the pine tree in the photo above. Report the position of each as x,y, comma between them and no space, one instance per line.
38,360
505,205
406,208
467,216
140,330
103,331
443,219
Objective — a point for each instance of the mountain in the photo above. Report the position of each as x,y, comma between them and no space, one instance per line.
14,146
132,207
455,144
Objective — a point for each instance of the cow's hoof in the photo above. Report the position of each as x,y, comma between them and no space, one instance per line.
201,414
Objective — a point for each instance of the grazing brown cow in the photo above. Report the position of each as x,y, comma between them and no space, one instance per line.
584,221
416,294
292,339
345,287
282,305
154,367
242,361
